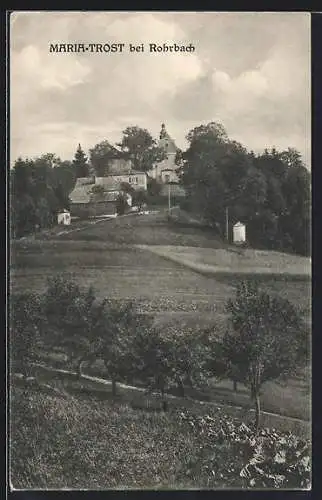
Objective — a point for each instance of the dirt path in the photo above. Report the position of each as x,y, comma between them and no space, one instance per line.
138,397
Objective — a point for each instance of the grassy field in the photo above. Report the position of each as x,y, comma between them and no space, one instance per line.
152,229
105,255
78,440
234,260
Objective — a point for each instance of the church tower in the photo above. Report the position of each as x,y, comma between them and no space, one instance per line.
165,171
166,142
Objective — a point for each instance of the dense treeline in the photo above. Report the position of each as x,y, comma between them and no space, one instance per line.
39,188
270,192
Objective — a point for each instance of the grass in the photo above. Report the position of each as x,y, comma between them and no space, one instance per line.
289,398
94,444
232,260
81,441
153,229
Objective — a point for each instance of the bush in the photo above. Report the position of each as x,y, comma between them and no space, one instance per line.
121,204
270,459
26,325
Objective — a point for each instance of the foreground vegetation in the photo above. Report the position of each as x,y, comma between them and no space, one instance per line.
68,448
78,441
251,351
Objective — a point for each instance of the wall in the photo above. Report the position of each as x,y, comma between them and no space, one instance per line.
63,218
167,164
137,180
93,209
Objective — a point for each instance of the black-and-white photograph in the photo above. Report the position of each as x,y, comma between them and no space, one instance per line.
159,328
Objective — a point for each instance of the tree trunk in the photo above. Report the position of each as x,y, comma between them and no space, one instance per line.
164,401
79,367
114,387
235,385
181,387
258,411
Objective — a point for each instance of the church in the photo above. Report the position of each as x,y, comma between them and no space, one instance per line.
165,171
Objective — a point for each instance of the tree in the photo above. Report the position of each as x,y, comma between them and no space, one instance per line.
122,326
219,174
121,204
100,156
283,221
75,320
23,215
138,145
191,351
64,180
170,359
50,159
26,323
153,187
89,329
154,360
267,339
39,188
31,187
139,199
296,188
80,163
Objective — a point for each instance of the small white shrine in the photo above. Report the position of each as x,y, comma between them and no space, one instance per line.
64,218
239,233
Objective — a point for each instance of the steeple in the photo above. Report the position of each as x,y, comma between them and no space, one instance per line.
166,142
163,132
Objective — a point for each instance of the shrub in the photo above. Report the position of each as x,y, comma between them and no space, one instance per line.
121,204
26,324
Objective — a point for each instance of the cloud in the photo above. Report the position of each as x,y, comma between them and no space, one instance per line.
40,69
249,71
266,104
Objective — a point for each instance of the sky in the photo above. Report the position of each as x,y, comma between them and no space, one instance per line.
249,71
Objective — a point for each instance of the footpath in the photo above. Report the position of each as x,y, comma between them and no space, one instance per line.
138,397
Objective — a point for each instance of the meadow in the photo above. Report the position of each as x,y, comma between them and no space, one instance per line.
109,255
78,440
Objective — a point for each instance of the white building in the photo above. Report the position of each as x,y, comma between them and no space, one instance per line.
138,180
239,233
64,218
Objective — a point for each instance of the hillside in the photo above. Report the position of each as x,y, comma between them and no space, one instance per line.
80,441
235,260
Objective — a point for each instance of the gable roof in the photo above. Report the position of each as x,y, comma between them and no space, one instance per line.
83,194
